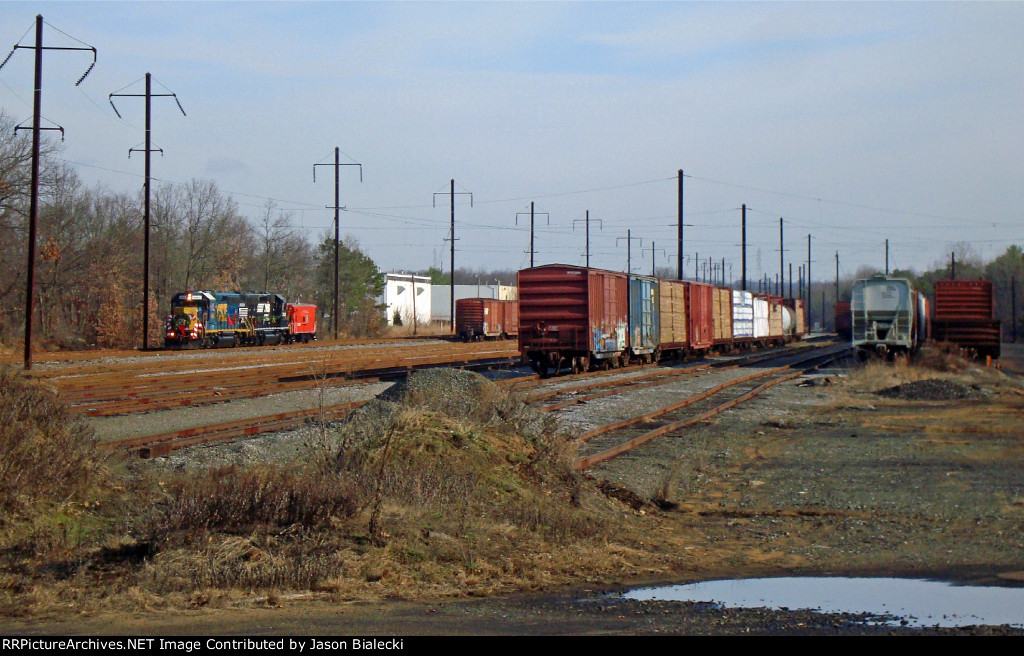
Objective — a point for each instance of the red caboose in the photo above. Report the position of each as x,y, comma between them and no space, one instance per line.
301,322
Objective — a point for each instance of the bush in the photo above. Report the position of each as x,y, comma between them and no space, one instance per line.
46,454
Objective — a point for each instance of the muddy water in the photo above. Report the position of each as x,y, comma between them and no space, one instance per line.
899,601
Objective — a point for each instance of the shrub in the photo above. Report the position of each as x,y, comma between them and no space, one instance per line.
46,454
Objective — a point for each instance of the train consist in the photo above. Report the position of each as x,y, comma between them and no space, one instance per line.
583,318
888,317
486,318
214,319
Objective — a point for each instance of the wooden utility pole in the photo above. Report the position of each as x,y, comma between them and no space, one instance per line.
743,244
452,193
149,95
36,143
531,228
679,255
337,230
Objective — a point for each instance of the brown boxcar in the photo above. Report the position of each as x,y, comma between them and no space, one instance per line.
572,316
700,301
686,316
964,300
486,318
965,316
843,320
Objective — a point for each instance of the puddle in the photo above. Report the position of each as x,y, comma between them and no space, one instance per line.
920,603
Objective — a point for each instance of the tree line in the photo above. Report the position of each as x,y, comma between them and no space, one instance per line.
90,242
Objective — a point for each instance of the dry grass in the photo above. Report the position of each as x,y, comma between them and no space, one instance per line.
445,491
46,456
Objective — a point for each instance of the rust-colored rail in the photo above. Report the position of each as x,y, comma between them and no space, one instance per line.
624,447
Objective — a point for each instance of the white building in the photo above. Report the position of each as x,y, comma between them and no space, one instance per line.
407,295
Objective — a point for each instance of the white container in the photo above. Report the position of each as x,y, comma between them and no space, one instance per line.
760,318
742,314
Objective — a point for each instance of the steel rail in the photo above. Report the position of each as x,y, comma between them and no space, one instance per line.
624,447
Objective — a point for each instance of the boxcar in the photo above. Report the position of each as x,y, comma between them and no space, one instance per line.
572,316
843,320
686,317
721,316
644,318
778,320
884,316
965,316
486,318
743,316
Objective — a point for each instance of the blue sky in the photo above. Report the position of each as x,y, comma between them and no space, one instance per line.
854,122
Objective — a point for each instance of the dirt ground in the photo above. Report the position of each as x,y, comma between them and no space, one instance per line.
821,476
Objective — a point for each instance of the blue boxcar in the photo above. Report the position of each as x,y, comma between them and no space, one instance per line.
644,317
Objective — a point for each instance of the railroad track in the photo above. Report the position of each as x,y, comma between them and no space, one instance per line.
617,381
145,387
615,439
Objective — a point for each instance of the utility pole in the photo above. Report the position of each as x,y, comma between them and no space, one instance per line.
809,314
952,265
837,276
337,208
33,212
149,95
453,194
653,249
531,228
743,244
679,256
886,257
587,222
782,260
629,250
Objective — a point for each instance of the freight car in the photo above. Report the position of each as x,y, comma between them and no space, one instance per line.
583,318
486,318
843,320
211,319
573,316
885,316
965,316
796,306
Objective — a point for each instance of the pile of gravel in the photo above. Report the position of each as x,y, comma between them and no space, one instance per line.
930,390
449,391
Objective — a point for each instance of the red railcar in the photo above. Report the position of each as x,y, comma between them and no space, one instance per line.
844,320
965,316
572,316
486,318
301,321
686,323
